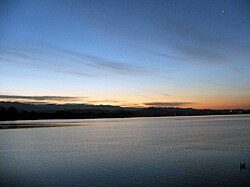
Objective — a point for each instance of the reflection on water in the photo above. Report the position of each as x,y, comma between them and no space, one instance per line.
179,151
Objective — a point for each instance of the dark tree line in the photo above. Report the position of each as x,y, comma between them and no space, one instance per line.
11,113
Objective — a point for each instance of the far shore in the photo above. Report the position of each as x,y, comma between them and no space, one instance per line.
16,124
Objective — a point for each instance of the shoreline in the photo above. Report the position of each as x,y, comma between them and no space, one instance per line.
18,124
24,126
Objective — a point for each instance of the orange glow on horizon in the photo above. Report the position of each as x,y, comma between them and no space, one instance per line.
209,102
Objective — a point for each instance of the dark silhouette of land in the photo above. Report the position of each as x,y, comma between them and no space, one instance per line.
23,111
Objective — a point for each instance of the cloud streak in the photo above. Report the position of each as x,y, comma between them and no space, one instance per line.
202,37
38,60
203,47
66,61
102,63
204,54
41,98
167,104
106,101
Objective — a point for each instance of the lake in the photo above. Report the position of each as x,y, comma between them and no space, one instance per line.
160,151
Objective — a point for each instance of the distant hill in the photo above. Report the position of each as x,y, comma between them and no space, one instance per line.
56,107
19,111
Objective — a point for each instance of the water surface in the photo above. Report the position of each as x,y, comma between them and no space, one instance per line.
162,151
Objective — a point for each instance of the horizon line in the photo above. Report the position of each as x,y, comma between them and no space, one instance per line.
134,107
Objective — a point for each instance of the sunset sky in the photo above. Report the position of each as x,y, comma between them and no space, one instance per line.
167,53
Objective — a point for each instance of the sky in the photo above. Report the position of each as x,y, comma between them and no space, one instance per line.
169,53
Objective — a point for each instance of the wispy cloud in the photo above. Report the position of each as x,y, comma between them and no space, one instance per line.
204,54
172,57
168,104
206,48
105,101
79,73
166,55
102,63
35,59
114,67
163,55
203,37
41,98
165,94
66,61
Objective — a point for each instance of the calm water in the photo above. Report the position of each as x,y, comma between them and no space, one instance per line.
166,151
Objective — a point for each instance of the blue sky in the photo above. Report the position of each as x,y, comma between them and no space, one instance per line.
129,53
